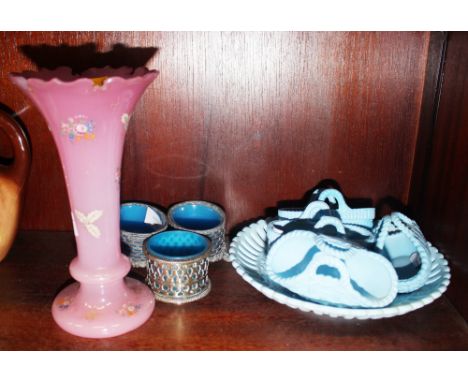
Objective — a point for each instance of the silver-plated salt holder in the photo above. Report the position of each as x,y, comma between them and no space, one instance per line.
139,221
204,218
178,266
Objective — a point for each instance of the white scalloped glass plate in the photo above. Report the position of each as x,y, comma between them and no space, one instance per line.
247,253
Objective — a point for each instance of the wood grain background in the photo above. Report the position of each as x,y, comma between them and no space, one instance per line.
250,119
245,119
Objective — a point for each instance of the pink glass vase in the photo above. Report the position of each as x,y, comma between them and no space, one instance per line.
88,117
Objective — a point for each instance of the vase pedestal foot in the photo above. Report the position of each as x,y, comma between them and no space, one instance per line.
103,310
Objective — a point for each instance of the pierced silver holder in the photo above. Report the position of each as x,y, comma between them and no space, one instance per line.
178,281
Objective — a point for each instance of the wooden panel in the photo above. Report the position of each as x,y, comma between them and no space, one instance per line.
444,212
427,119
247,119
233,316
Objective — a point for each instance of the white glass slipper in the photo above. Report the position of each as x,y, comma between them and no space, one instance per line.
356,216
331,271
350,216
400,240
275,227
318,214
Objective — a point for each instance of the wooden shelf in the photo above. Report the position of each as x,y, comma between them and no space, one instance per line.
232,316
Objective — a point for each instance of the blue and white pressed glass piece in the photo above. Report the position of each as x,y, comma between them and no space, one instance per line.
320,223
318,214
361,217
400,240
331,271
248,251
204,218
353,216
137,222
178,266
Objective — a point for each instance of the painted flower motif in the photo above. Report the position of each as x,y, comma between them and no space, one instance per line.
128,310
78,127
125,119
64,302
89,220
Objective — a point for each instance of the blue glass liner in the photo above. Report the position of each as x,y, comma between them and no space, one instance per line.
177,245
